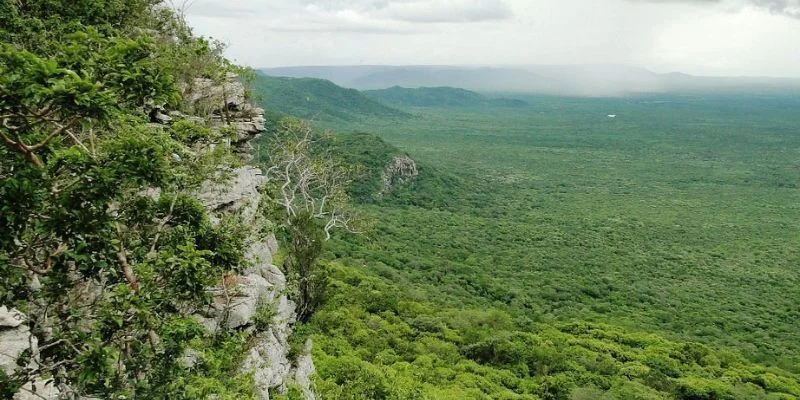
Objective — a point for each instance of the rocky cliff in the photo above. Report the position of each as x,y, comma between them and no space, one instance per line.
400,170
239,300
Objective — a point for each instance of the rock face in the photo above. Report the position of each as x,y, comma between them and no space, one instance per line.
238,195
305,371
38,390
208,96
260,289
401,170
268,358
228,106
14,338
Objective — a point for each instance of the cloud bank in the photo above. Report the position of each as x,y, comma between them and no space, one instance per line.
702,37
411,11
790,8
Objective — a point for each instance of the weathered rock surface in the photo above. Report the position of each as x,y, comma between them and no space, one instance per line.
227,104
268,359
39,389
240,194
401,170
239,298
208,96
305,371
10,318
15,338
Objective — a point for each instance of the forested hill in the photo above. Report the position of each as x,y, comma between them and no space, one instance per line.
319,99
439,97
382,182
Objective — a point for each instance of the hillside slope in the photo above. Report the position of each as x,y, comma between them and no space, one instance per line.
382,181
318,99
438,97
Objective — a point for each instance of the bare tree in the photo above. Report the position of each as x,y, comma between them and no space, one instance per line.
310,187
307,182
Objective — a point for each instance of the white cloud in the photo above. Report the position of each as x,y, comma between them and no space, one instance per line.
789,8
786,7
414,11
719,37
446,11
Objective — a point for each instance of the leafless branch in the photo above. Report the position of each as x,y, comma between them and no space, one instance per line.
310,184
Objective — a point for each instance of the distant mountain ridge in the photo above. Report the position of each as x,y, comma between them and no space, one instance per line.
312,98
438,97
573,80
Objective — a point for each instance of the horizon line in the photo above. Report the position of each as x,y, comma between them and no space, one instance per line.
645,69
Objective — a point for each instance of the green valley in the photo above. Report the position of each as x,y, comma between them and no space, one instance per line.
550,237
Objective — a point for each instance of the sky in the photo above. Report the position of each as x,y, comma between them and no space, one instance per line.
700,37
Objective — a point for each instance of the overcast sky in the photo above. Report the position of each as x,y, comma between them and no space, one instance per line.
707,37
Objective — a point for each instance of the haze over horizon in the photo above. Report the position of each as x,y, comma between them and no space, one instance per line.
524,66
755,38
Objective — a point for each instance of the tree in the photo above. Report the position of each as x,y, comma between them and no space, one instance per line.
310,189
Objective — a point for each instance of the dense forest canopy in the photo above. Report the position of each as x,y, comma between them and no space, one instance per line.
552,252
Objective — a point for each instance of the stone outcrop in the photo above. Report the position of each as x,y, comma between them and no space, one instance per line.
15,337
228,107
268,359
38,390
240,299
209,97
400,170
239,194
305,371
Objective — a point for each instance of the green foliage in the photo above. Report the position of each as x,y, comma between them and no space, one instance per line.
128,66
100,243
561,214
438,97
318,99
40,25
216,371
307,279
372,155
563,237
264,314
410,347
365,150
189,131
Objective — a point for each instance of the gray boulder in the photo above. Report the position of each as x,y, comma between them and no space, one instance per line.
39,389
15,338
305,371
400,170
240,194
